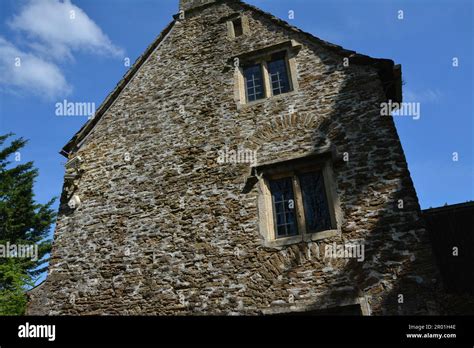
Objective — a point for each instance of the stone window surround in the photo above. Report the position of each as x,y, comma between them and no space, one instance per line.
261,56
310,306
230,26
320,160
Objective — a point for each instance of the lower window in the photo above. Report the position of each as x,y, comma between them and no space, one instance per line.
312,209
283,207
297,201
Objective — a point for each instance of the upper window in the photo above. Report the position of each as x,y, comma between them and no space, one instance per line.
266,77
254,82
265,72
278,73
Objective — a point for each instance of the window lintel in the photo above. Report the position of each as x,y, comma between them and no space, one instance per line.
312,159
260,54
306,162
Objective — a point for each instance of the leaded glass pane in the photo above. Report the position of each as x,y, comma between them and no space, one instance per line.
253,82
278,76
284,207
315,202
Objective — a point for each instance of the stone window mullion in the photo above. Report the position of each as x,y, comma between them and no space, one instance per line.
299,206
290,62
266,80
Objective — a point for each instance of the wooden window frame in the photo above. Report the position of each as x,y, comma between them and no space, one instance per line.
265,204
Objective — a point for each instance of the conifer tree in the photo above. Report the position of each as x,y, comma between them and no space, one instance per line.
22,222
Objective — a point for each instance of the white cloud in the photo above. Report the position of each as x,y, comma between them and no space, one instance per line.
53,31
61,28
425,96
22,71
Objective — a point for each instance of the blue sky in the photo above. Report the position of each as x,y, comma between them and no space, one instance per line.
84,61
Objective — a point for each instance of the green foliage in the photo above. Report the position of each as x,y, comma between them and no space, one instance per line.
12,292
22,222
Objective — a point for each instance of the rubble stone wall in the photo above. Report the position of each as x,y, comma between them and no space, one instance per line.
163,228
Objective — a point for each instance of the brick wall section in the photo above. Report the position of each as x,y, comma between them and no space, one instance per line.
170,231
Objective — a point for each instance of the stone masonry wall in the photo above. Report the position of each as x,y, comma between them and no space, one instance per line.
165,229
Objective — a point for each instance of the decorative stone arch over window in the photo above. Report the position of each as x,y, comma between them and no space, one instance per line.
261,60
305,176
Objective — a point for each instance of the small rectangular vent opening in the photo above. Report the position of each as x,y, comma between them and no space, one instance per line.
238,29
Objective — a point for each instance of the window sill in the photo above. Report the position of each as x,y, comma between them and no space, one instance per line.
309,237
321,235
263,100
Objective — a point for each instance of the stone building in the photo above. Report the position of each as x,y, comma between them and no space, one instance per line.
242,166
